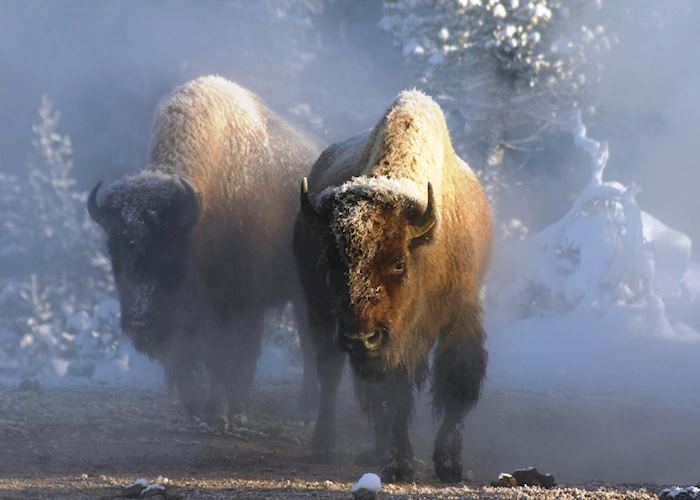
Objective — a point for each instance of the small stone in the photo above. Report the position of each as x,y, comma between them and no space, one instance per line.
364,494
677,493
133,491
153,490
547,481
505,481
367,487
532,477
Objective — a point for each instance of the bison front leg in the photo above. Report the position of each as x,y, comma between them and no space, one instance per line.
458,372
231,360
183,366
329,362
391,429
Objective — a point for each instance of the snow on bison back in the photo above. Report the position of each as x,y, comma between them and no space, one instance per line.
200,240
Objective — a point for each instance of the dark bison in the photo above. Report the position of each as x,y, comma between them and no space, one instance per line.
393,242
200,241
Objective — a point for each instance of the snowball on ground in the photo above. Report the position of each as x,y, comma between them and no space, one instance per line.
139,482
368,481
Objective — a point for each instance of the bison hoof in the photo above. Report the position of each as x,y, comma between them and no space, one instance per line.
217,421
448,470
400,473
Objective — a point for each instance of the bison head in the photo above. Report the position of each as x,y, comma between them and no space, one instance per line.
375,268
148,219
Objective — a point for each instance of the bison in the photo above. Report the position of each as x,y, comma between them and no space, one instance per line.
393,241
200,240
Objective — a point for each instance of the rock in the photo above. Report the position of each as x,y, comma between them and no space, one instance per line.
505,480
525,477
676,493
134,489
532,477
364,494
154,489
30,385
367,487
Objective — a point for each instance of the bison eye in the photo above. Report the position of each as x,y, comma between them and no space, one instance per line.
399,267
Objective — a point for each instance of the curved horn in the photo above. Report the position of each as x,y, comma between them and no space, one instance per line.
310,214
97,214
426,220
190,211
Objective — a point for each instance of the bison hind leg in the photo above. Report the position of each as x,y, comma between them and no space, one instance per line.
310,390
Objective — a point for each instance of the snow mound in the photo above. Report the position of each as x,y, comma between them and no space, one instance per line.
604,257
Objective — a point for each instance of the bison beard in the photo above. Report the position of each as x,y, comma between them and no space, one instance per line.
389,277
200,241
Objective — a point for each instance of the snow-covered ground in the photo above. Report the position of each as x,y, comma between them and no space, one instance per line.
604,302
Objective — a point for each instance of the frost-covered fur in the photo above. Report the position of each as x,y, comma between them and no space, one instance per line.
369,190
210,284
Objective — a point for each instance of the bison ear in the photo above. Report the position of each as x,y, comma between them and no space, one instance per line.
312,216
422,223
189,211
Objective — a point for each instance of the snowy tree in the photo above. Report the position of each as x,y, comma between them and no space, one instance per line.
511,70
511,74
60,281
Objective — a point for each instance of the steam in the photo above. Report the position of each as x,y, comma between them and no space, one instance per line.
327,67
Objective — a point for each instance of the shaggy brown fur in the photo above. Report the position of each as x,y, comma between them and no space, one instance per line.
393,296
235,262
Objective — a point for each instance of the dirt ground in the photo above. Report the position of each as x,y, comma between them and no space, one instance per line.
90,442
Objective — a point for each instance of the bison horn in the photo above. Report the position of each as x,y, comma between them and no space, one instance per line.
310,214
97,213
425,221
190,210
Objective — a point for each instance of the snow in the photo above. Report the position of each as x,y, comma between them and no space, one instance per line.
153,487
692,491
499,11
368,481
139,482
603,302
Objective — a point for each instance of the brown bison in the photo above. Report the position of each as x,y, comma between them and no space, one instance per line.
200,241
393,242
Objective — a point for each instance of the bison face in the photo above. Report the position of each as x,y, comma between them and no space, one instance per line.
375,275
148,219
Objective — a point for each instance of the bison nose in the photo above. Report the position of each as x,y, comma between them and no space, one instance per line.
370,340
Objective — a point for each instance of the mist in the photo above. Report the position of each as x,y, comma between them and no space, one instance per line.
584,381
